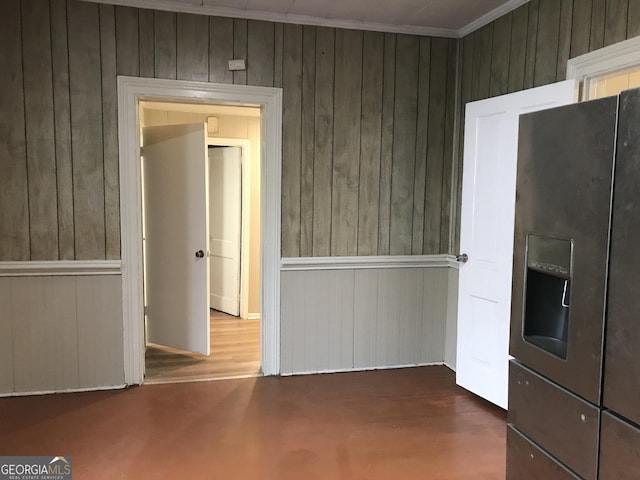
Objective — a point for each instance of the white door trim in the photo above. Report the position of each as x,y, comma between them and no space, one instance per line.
245,233
619,56
130,91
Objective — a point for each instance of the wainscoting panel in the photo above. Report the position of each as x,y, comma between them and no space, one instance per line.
60,333
362,318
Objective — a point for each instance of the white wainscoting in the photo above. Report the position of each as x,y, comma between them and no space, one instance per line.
359,313
60,328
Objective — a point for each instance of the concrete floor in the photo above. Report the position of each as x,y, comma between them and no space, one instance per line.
402,424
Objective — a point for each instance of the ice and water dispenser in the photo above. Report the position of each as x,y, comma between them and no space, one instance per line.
547,293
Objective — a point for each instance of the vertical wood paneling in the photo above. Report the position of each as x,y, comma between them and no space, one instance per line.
365,319
110,130
598,15
6,337
434,309
547,42
386,142
446,239
476,64
14,200
323,146
307,139
520,20
615,26
419,183
62,119
340,320
500,55
127,40
44,333
484,73
260,53
370,137
86,129
435,151
633,24
404,145
164,36
40,130
100,347
356,319
146,30
220,49
451,327
581,27
277,55
240,48
532,40
192,50
346,142
564,42
291,146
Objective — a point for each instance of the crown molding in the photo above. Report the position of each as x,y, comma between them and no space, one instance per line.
173,6
490,17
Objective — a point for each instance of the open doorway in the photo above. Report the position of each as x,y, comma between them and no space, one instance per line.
131,90
233,250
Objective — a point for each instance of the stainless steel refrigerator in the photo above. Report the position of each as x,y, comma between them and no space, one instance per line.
574,386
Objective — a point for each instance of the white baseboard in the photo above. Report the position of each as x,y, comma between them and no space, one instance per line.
253,316
67,390
365,369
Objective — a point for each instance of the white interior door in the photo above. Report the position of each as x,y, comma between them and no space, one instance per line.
486,235
175,170
225,213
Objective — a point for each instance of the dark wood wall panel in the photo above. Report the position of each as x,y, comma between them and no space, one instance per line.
323,145
164,44
127,33
14,198
359,145
86,129
40,129
386,142
146,27
308,140
346,142
192,51
545,34
62,118
110,123
405,118
291,139
420,174
220,49
240,28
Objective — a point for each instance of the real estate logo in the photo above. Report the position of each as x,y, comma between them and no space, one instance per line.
35,468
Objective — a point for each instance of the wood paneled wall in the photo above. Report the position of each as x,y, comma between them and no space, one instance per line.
60,333
367,125
531,45
356,319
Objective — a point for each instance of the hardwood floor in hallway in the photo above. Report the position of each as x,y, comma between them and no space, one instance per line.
235,353
405,424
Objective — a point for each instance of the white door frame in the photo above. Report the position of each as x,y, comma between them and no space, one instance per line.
245,233
130,91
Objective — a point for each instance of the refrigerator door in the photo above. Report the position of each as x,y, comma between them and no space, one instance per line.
563,196
622,362
619,449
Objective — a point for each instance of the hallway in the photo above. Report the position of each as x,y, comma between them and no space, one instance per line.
404,424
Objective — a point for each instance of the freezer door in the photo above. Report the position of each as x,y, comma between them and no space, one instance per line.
563,192
619,449
622,363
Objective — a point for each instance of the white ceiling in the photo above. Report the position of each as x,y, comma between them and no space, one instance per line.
449,18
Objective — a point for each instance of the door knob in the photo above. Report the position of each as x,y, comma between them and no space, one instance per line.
199,254
462,258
